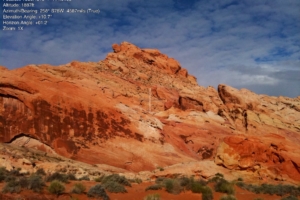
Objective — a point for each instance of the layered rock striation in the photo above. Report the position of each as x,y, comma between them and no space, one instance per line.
139,109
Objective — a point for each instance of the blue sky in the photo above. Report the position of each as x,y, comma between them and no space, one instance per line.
245,44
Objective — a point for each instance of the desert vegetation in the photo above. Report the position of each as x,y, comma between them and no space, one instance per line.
280,189
54,183
178,185
114,183
98,191
56,187
15,181
219,184
78,188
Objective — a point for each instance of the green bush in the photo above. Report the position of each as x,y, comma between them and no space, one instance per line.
41,172
23,182
15,172
71,177
99,179
154,187
152,197
173,186
159,180
114,187
12,187
169,185
219,175
228,197
280,190
185,181
57,176
207,193
177,185
3,173
36,183
97,191
224,187
84,178
116,178
56,187
240,179
10,178
78,188
196,187
136,180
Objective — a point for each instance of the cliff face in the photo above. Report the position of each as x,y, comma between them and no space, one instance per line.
139,109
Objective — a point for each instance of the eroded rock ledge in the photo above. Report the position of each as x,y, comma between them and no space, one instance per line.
101,113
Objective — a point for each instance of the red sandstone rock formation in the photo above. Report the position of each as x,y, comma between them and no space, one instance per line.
99,113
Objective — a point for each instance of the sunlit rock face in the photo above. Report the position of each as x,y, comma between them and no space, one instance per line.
139,109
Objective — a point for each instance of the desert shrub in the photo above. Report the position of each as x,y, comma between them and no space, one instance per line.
228,197
23,182
291,197
207,193
169,184
177,185
268,189
12,187
152,197
287,189
97,191
224,187
240,184
114,187
258,198
116,178
196,187
240,179
71,177
216,178
160,168
159,180
3,170
57,176
3,173
56,187
219,175
99,179
78,188
154,187
173,186
36,183
15,172
185,181
280,190
41,172
84,178
10,178
203,182
136,180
